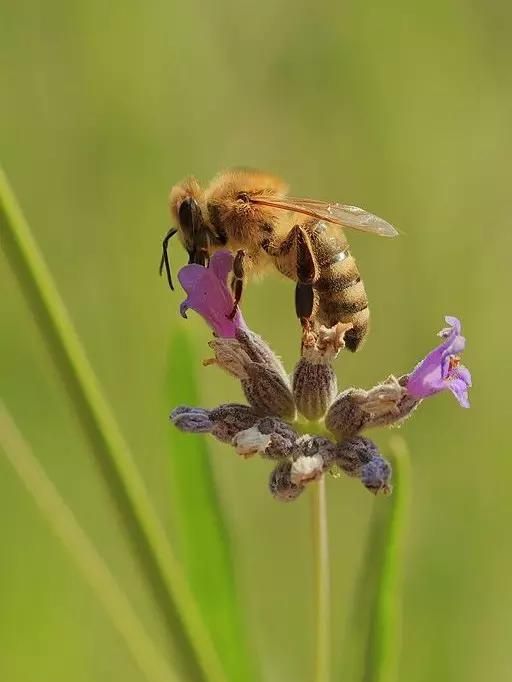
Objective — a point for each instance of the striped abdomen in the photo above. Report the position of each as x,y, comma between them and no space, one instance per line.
340,290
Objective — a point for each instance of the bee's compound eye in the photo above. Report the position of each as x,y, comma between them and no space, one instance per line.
243,196
185,213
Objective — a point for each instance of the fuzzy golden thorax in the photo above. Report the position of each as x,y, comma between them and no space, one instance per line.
228,207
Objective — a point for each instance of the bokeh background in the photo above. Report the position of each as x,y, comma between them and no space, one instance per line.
403,108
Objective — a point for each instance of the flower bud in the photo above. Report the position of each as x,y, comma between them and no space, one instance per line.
281,485
359,457
305,469
259,351
284,438
345,417
229,355
356,409
228,420
376,476
268,392
264,383
191,419
251,442
314,388
316,445
353,453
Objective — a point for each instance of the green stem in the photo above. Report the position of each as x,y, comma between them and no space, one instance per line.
384,641
321,577
81,549
162,570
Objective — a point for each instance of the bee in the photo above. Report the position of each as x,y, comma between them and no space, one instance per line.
250,213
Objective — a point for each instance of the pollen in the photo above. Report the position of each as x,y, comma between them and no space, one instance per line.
454,362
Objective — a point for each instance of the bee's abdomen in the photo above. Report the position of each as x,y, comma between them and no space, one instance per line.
342,298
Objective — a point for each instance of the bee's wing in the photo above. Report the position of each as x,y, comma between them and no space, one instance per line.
339,214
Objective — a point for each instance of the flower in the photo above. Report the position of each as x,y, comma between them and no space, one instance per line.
208,294
441,368
282,409
268,426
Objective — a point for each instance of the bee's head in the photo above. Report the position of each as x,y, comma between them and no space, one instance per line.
228,200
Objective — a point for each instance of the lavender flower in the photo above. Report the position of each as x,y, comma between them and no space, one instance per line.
209,295
281,409
441,368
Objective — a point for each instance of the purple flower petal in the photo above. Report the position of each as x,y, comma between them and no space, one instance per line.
222,264
189,275
460,390
457,345
441,368
208,294
426,378
463,373
454,324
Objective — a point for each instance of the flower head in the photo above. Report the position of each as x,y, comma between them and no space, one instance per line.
209,295
284,412
441,368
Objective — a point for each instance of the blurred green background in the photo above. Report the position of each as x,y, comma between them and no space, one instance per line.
398,107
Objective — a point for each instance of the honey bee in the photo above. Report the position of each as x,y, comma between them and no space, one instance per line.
250,213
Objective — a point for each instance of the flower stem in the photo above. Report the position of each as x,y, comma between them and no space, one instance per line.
321,577
384,639
81,549
161,569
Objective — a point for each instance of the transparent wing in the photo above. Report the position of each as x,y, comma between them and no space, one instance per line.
339,214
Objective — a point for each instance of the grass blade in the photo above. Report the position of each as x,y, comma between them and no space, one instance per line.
161,568
384,641
200,525
63,523
372,644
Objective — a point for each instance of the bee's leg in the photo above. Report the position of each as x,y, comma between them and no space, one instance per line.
237,283
307,268
296,248
304,304
307,274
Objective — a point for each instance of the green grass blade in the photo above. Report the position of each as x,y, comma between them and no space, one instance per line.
199,522
384,639
153,666
161,568
352,660
372,642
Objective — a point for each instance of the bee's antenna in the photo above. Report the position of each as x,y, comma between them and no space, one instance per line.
165,256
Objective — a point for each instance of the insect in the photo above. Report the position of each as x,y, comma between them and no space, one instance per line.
250,213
